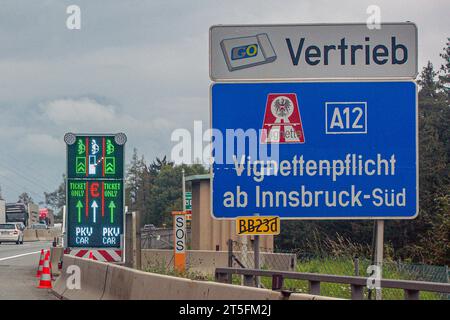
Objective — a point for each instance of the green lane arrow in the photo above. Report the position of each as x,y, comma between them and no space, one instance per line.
79,207
80,167
111,207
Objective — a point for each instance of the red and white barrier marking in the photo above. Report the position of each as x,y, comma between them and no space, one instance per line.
105,255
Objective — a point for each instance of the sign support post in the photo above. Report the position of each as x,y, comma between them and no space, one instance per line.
63,228
256,256
379,254
184,190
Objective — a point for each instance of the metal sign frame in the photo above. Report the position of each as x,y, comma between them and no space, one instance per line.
66,213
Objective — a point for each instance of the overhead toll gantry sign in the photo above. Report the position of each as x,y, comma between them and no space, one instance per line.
95,191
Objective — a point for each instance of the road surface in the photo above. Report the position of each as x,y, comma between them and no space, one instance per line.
18,264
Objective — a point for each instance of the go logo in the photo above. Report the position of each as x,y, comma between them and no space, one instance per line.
243,52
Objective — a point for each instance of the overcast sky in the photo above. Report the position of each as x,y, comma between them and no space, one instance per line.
140,67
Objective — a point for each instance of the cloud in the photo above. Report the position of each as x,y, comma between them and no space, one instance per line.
84,111
88,115
140,69
41,144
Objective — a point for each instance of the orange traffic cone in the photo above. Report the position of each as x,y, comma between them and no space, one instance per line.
41,264
45,281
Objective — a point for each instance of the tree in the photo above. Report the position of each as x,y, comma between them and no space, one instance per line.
158,164
56,200
25,198
427,82
444,77
165,193
133,180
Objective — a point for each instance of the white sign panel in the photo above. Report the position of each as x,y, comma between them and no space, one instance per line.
180,233
295,52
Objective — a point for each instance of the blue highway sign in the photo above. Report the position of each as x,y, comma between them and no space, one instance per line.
318,150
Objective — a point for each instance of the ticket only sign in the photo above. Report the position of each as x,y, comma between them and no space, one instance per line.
95,216
319,150
95,190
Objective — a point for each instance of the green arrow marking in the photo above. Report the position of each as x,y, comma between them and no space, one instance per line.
110,165
79,207
80,166
111,207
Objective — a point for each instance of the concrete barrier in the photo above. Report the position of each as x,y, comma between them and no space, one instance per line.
93,277
29,235
55,233
42,235
92,281
103,281
46,234
60,285
119,282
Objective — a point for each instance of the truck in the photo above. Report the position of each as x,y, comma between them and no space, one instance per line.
28,214
46,216
2,211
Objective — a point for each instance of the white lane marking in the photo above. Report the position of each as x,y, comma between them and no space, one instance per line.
19,255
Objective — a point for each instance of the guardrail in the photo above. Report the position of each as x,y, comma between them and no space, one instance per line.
411,288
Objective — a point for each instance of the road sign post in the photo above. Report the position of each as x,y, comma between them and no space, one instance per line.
95,195
322,150
379,254
257,258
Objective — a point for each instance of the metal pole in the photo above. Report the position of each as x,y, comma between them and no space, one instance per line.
128,240
138,241
372,258
63,228
356,261
184,190
133,239
230,260
379,253
244,252
230,253
256,254
244,255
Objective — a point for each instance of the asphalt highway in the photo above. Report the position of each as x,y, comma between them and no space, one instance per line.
18,265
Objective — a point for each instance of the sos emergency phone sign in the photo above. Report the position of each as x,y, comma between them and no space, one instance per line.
179,231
